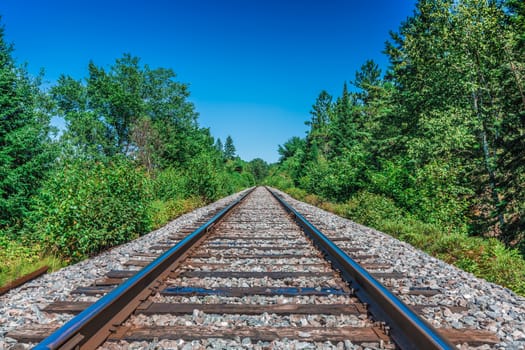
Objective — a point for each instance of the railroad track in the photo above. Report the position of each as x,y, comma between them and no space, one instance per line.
255,274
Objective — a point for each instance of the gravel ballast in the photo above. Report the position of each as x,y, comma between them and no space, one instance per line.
489,306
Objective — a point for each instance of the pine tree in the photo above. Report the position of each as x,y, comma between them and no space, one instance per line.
25,148
321,115
218,146
229,149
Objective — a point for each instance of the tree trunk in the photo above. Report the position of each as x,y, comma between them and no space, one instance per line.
516,75
488,166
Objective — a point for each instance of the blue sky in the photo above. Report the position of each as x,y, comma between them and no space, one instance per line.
254,67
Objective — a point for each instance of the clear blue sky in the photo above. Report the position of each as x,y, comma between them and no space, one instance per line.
254,67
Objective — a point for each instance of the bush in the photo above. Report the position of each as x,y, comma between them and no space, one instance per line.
88,206
372,209
280,181
297,193
161,212
170,184
202,179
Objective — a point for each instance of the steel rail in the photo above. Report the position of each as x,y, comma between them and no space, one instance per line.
407,329
92,326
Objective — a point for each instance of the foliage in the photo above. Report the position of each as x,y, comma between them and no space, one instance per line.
19,259
162,212
202,177
229,148
129,109
371,209
458,72
169,183
259,169
431,151
87,206
278,179
132,156
26,152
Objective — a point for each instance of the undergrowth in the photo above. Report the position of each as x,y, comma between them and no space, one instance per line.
485,258
19,260
164,211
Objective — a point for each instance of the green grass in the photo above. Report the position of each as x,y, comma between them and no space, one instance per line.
486,258
19,260
163,211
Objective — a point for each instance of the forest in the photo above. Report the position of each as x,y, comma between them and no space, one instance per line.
430,150
131,158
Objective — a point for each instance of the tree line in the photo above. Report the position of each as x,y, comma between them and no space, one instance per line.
441,132
131,156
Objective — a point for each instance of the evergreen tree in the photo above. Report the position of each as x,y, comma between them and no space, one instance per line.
368,80
441,133
26,152
219,146
342,126
229,149
452,63
321,116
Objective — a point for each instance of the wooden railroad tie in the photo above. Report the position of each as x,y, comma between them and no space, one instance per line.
474,337
150,308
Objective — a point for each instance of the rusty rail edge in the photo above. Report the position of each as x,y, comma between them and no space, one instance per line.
92,326
24,279
407,329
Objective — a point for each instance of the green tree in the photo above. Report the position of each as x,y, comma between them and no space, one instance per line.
133,110
229,149
290,148
457,71
368,80
343,127
512,159
26,152
293,158
322,115
87,134
259,168
219,146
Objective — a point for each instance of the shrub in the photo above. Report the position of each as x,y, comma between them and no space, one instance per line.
372,209
202,177
170,184
297,193
88,206
280,181
162,212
